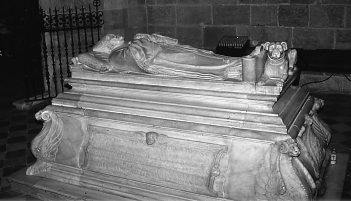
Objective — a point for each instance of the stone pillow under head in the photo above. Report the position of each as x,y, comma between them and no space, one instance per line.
97,60
108,43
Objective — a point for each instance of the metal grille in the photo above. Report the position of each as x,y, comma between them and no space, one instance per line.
65,33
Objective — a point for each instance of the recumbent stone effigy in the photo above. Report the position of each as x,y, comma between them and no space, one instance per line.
155,120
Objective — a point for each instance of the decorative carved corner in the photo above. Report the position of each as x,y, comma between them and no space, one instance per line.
289,147
45,145
39,167
313,139
276,178
318,103
320,128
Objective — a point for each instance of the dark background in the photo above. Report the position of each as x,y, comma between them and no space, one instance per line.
19,46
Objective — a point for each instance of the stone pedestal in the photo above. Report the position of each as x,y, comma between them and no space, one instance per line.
147,137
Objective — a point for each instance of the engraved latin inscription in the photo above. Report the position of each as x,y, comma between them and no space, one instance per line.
170,162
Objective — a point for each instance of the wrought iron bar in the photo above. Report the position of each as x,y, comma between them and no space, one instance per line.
39,56
97,3
53,54
57,16
91,27
85,28
65,39
45,56
66,24
72,37
77,24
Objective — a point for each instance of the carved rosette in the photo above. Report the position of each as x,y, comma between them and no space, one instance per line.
45,145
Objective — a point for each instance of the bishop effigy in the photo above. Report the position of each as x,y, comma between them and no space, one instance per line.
158,55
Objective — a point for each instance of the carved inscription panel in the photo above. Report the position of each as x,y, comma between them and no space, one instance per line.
155,158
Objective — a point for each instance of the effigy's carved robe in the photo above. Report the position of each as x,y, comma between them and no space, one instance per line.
160,55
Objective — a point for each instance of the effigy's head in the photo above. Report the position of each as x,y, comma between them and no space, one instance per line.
108,43
116,41
275,49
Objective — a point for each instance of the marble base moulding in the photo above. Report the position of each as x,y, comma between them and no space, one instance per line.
159,139
144,137
48,189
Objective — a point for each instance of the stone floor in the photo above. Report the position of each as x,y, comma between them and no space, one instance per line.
18,128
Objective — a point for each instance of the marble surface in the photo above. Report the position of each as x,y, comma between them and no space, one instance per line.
57,190
19,127
159,138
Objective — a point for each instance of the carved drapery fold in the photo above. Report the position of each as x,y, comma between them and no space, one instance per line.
291,169
45,144
320,128
313,140
308,143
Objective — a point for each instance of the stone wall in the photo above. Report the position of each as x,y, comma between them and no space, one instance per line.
321,82
308,24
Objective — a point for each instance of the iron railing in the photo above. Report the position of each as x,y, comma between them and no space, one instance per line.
65,33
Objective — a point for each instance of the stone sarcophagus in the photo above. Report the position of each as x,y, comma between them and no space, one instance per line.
156,137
